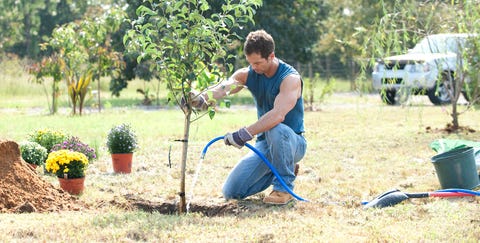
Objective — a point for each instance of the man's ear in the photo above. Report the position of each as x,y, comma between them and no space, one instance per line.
271,56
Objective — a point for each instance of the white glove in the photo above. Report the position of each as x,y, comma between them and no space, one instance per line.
198,101
238,138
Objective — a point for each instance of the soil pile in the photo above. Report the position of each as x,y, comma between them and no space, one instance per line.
22,190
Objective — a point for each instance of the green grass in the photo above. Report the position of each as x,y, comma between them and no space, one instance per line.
374,148
19,91
357,149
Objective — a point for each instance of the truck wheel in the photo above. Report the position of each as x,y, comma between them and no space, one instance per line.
441,94
388,96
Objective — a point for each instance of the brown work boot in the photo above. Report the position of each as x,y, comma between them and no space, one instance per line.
297,167
278,198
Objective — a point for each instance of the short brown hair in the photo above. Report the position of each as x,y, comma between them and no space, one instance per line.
259,42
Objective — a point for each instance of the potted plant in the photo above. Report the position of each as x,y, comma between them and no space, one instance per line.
47,137
121,143
69,166
33,153
74,144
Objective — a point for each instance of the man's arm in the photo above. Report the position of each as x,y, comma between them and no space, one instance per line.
290,92
231,85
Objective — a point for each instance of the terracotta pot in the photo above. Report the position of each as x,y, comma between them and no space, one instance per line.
122,163
73,186
33,166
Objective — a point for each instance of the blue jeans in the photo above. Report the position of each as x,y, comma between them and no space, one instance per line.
283,148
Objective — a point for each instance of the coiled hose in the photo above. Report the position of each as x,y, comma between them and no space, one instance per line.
274,171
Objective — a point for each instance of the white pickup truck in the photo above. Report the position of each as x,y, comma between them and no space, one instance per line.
426,69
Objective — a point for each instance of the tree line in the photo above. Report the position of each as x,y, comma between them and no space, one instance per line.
320,33
305,30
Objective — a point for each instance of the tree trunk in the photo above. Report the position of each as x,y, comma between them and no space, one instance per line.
457,91
455,124
353,85
311,86
74,103
182,206
80,108
456,95
54,97
327,67
98,96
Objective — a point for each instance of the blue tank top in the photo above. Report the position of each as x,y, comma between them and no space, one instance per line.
265,90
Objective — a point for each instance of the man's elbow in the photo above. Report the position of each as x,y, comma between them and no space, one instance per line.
279,119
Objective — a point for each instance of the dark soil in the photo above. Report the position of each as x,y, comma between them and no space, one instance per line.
131,202
449,128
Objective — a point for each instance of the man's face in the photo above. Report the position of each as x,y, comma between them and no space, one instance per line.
259,64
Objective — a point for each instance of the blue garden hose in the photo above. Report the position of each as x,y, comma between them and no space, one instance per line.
471,192
274,171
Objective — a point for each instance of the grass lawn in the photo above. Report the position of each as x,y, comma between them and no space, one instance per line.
357,149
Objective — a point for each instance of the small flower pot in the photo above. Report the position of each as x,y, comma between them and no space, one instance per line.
33,166
73,186
122,163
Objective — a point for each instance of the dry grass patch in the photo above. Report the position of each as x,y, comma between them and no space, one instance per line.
357,149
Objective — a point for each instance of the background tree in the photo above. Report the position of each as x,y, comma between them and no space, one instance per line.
132,68
95,36
293,24
82,53
49,67
24,24
341,36
186,46
403,24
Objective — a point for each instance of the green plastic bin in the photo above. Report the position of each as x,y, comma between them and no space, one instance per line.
456,169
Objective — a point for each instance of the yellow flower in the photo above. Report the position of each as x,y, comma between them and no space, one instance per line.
60,162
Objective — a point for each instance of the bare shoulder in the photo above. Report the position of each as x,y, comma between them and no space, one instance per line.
241,75
292,80
292,84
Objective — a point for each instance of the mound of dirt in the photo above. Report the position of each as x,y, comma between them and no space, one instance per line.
22,190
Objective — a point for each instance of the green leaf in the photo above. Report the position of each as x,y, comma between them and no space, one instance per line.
227,103
211,113
144,10
229,20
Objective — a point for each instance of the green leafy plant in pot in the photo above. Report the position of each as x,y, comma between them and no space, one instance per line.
121,143
33,153
47,137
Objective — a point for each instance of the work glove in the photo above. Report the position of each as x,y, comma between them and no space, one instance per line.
198,101
238,138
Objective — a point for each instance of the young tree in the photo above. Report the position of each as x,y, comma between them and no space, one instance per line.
186,39
82,53
49,67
